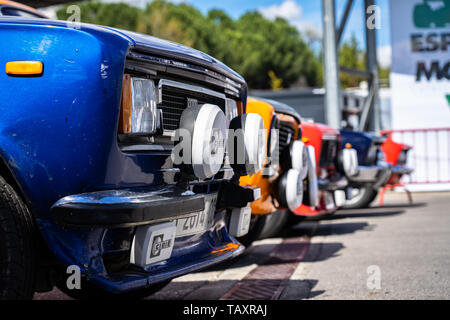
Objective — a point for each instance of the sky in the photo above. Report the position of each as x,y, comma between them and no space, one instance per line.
303,14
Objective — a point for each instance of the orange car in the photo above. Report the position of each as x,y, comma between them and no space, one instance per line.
10,8
284,179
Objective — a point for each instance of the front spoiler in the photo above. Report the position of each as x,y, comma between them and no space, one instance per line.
126,207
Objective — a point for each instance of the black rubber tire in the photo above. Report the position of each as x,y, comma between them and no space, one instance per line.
257,223
369,194
91,292
17,246
264,226
275,224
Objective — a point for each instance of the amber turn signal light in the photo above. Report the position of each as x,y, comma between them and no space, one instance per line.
24,68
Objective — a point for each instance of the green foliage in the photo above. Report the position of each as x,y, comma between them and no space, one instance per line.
266,53
351,56
384,74
117,15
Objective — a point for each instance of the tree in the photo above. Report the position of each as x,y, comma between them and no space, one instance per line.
117,15
268,54
351,56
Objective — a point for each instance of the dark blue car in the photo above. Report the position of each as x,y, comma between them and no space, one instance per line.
373,170
89,184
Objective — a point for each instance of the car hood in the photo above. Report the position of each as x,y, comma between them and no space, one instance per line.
282,108
178,51
145,43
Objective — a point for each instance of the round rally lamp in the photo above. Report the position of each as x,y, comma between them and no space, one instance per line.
290,189
296,158
299,158
247,144
349,161
206,125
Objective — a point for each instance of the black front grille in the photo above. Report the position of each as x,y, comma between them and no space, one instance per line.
287,133
174,100
328,152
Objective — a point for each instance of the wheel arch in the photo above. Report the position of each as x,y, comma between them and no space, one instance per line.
8,175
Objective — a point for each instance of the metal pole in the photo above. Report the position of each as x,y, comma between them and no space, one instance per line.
372,68
340,31
331,73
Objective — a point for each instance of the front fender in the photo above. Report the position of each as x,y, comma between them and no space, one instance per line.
57,130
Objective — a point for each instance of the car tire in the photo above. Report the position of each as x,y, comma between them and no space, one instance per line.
264,226
91,292
257,223
275,225
364,198
17,246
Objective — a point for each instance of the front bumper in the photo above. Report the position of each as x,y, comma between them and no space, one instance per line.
401,170
377,175
95,231
213,247
332,184
126,207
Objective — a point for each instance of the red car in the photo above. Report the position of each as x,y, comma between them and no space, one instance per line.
396,154
331,177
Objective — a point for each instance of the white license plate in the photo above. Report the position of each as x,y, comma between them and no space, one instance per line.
198,222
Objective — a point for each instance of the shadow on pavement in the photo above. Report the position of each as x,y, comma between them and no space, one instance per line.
342,228
364,213
406,206
326,229
258,255
214,290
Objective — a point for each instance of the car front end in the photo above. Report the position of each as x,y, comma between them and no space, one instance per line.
373,170
96,145
331,178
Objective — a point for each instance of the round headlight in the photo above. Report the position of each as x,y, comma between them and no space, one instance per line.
349,161
295,157
205,126
299,158
247,144
290,189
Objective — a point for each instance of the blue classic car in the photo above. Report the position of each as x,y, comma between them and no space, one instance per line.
373,170
89,177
